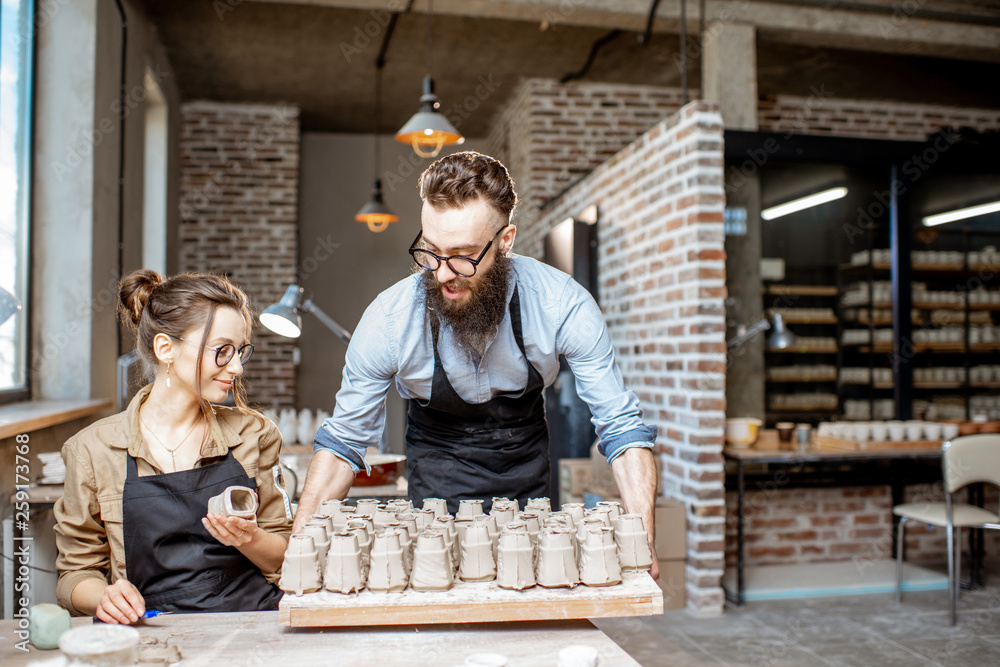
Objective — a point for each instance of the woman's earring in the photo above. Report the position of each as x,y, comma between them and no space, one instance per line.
168,373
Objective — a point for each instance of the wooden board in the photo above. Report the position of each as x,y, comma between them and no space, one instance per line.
484,602
768,440
848,445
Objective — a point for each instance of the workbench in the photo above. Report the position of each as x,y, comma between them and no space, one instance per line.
756,475
257,638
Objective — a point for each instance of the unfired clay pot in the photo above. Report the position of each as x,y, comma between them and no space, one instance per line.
633,543
504,511
358,528
515,560
328,507
234,501
340,515
614,506
367,506
602,513
447,522
344,568
423,518
556,565
300,571
400,504
559,520
437,505
575,510
405,543
326,520
599,564
477,563
540,506
432,566
384,516
387,572
532,523
409,521
321,539
469,508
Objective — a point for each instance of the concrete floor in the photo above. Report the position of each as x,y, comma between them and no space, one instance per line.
853,631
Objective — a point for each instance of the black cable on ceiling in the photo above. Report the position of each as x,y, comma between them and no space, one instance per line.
590,58
380,59
648,32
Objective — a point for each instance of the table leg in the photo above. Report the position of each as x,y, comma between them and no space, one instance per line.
898,495
740,492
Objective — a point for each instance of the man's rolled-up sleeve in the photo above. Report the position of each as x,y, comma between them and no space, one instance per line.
615,411
359,415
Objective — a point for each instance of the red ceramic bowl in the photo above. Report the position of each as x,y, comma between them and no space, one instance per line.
386,469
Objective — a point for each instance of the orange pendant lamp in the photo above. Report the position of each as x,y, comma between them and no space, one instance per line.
428,130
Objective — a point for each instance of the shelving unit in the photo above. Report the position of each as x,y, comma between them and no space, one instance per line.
811,310
938,289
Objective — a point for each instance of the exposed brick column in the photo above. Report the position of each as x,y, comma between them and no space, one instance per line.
662,271
549,135
239,198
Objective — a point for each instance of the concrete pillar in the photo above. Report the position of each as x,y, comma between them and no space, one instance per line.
63,220
729,72
729,76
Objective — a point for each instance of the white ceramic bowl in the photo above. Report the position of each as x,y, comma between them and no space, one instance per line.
742,432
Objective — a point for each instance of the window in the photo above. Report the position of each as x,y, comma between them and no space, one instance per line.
16,49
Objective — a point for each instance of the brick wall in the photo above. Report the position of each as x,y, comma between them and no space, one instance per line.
239,190
662,271
549,135
823,113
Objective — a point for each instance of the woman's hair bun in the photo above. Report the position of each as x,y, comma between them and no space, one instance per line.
134,292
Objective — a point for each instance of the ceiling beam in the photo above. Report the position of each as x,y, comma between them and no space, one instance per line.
912,27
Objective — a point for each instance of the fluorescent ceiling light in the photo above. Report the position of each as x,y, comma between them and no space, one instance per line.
961,214
803,203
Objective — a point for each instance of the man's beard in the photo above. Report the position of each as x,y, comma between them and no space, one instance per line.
475,320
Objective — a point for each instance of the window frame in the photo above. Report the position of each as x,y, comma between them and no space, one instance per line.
23,392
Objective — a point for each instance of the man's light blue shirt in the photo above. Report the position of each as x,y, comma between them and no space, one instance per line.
558,317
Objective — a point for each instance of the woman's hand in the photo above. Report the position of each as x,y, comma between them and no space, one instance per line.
121,602
230,530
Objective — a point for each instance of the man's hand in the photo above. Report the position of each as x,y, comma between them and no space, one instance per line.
635,475
329,477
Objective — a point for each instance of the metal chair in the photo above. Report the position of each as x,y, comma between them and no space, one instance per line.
965,460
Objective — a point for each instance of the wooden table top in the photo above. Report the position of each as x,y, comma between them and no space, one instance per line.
256,638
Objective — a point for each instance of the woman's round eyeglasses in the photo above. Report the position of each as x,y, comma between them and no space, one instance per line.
460,265
225,353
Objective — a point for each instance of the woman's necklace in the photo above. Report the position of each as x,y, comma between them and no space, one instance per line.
173,460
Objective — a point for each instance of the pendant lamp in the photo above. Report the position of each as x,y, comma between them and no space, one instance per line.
375,213
428,130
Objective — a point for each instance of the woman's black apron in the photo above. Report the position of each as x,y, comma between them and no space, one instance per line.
457,450
170,556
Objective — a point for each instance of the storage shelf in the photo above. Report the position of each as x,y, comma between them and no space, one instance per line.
821,378
806,350
936,347
800,290
929,268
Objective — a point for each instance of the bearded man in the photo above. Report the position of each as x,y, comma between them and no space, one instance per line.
472,339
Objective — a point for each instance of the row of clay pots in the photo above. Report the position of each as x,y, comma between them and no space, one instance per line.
389,547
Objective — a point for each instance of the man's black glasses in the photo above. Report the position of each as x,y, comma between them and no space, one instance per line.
225,353
461,266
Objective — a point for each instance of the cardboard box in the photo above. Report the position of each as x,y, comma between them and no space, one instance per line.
672,583
671,530
574,477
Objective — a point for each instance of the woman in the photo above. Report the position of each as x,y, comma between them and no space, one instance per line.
132,531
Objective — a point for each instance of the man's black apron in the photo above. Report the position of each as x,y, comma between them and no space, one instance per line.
457,450
170,556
